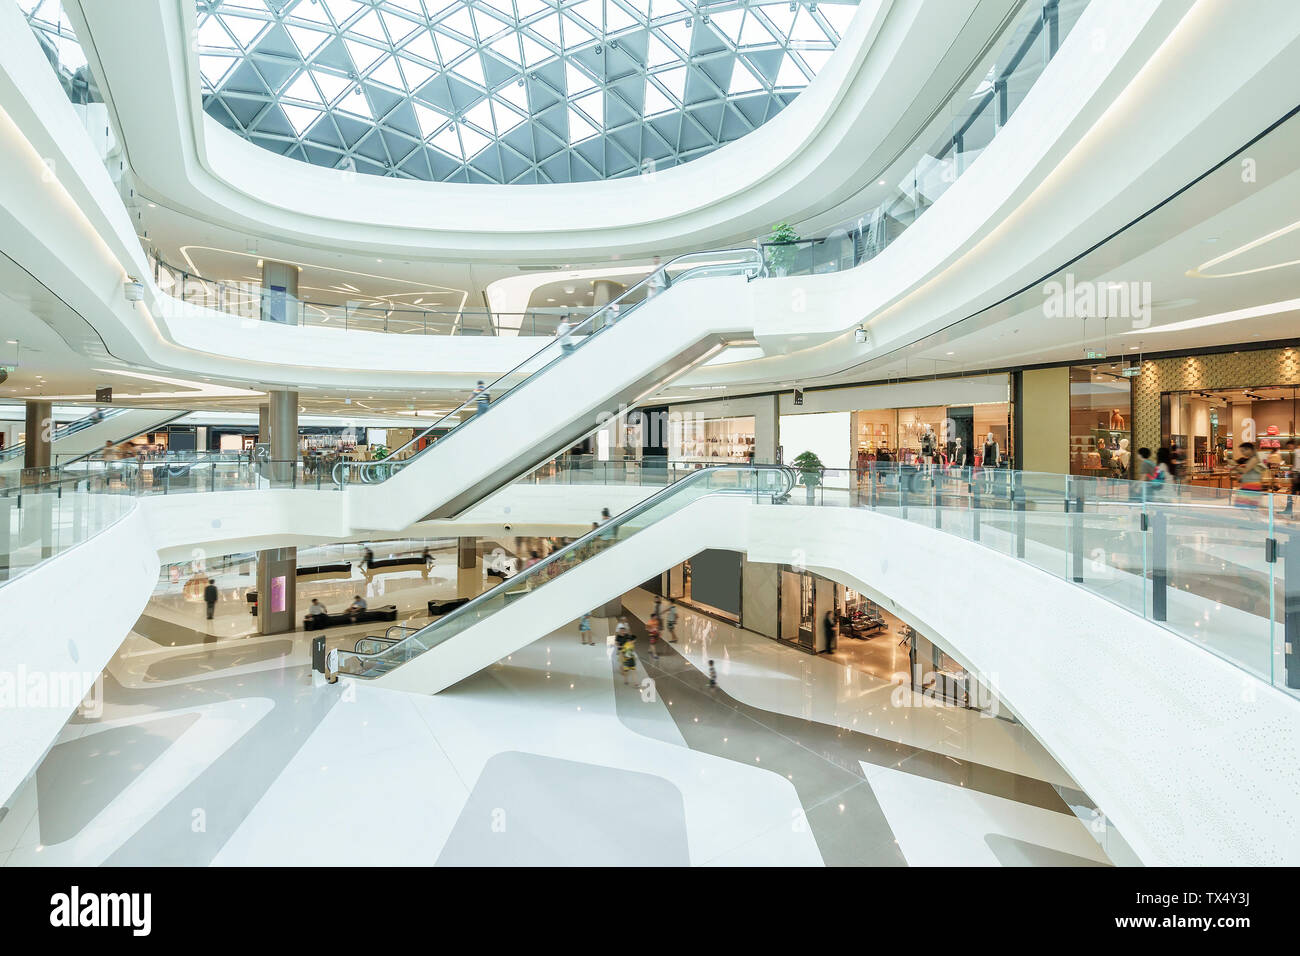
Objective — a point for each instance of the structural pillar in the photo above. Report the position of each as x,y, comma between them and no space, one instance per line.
469,569
605,291
40,430
277,592
280,293
282,416
277,568
263,423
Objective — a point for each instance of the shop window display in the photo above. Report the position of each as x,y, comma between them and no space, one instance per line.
1101,421
957,434
712,441
1207,427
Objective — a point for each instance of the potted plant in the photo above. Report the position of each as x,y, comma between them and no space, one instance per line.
810,472
782,252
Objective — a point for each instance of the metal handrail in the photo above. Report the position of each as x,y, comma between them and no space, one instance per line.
71,428
392,462
598,533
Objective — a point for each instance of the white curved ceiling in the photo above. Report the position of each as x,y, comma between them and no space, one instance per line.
897,60
507,91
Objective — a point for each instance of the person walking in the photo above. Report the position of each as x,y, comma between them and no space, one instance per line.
584,629
210,595
627,656
367,559
1289,461
482,398
828,630
1252,475
652,628
656,282
671,619
564,332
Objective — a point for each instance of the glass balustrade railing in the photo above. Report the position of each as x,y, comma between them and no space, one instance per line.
1218,567
759,482
248,300
959,132
570,339
66,431
1210,565
1215,566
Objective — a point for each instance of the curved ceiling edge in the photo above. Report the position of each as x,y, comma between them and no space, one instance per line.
213,174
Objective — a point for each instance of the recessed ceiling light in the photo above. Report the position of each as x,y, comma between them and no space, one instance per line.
881,182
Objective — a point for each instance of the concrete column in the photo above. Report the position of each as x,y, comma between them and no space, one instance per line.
280,292
40,429
823,601
605,291
469,569
263,423
277,590
283,419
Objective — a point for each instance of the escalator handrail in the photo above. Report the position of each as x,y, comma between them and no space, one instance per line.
753,267
71,428
790,476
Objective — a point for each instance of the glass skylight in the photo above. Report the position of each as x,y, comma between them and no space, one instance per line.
52,27
507,91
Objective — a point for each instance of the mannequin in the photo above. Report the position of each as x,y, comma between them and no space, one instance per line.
991,457
1123,456
928,447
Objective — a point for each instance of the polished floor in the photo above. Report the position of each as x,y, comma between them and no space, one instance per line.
224,750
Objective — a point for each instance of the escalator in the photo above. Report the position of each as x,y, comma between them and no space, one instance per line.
597,551
87,435
561,394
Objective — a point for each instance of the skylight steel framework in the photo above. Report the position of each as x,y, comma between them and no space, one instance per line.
507,91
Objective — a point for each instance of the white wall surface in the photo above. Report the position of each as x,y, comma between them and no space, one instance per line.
66,617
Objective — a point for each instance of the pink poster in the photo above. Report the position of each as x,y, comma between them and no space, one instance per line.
277,594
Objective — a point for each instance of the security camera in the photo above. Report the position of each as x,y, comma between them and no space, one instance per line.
507,527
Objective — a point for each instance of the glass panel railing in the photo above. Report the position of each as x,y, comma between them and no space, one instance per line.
759,482
39,520
249,300
1211,565
569,339
958,133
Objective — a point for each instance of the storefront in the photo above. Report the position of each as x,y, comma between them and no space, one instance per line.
729,431
848,428
1208,424
710,581
821,616
1101,421
1205,406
